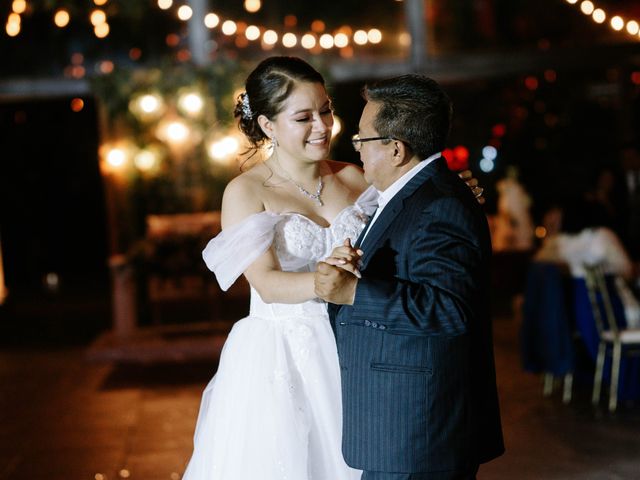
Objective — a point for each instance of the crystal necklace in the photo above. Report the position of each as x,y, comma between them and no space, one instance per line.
301,189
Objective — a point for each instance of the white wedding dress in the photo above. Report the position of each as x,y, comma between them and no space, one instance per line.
273,410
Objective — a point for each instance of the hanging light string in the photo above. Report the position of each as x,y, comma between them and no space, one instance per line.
315,39
600,15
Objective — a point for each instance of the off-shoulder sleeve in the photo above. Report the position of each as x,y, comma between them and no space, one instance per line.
368,200
232,251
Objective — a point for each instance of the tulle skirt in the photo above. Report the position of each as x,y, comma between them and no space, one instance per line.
273,409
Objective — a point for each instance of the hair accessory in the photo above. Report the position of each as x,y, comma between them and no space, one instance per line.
246,108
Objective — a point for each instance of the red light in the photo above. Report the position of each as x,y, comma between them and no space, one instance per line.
531,83
457,159
461,153
635,78
550,76
135,53
499,130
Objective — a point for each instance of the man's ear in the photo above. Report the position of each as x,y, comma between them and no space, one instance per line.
266,125
401,152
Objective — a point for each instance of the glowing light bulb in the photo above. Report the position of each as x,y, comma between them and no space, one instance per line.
374,36
61,18
289,40
617,23
97,17
102,30
270,37
487,165
360,37
177,132
341,40
326,41
165,4
587,7
191,103
252,6
223,148
185,13
19,6
252,32
633,27
229,27
116,157
489,152
599,16
145,160
211,20
308,41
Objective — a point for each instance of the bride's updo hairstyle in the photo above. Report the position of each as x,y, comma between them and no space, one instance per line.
266,90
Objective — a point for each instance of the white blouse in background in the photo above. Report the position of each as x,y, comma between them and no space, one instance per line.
594,246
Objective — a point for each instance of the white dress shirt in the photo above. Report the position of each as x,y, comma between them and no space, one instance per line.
385,196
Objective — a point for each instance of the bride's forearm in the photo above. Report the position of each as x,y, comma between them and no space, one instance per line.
283,287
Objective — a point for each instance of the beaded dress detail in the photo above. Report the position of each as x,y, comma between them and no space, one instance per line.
273,409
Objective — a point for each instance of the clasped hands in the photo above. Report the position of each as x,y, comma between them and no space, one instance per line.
336,278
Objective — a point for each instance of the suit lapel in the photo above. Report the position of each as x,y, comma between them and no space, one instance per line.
393,208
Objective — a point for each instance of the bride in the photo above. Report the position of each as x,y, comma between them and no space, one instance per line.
273,409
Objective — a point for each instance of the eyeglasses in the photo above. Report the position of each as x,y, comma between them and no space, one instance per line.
357,142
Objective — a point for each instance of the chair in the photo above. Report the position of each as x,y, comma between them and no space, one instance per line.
546,340
614,340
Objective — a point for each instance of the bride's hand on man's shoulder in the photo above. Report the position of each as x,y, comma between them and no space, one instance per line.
472,183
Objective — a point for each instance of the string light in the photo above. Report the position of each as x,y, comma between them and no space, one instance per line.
341,37
326,41
97,17
252,6
289,40
229,27
633,27
19,6
587,7
360,37
211,20
308,41
252,32
270,37
185,12
374,35
599,15
617,23
101,30
61,18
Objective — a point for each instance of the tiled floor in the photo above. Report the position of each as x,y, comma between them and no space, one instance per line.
64,418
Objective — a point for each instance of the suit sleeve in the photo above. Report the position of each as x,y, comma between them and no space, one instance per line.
444,259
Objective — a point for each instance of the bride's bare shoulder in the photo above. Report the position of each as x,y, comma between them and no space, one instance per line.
243,195
349,174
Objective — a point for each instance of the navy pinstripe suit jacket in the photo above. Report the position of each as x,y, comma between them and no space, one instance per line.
415,348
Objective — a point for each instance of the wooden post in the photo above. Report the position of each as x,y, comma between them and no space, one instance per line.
417,26
198,33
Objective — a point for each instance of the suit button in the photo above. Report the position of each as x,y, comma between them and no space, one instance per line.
374,325
343,323
367,323
382,327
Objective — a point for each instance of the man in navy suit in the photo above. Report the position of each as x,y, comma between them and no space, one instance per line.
414,331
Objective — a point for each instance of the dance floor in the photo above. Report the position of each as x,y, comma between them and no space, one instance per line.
65,418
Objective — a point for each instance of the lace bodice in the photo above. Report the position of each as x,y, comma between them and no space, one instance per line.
299,243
